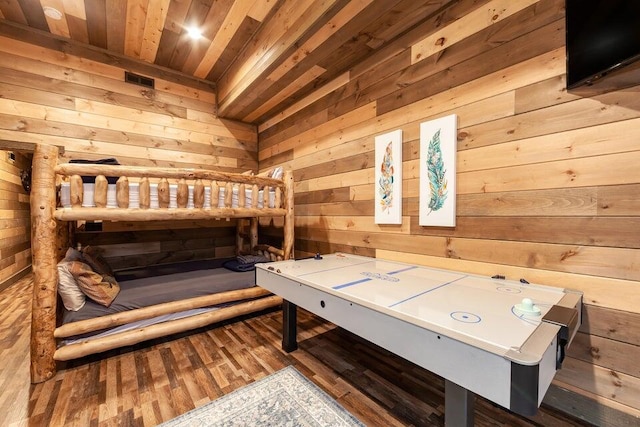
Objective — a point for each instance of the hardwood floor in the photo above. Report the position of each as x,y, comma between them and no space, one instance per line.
148,384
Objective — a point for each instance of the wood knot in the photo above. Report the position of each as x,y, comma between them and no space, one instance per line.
440,41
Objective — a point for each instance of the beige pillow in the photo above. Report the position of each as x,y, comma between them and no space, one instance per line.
101,289
72,297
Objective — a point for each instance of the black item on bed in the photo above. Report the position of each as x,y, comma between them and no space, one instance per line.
92,179
244,262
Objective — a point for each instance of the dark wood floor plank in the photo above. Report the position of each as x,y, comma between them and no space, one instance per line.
153,382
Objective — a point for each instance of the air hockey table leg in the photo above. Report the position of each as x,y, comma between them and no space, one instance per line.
458,405
289,326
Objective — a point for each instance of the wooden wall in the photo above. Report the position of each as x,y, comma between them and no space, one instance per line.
15,223
547,182
85,107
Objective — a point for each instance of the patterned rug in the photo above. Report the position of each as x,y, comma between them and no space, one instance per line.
285,398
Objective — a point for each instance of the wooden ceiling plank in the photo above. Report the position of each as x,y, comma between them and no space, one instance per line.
285,93
154,23
236,14
245,32
326,89
189,52
279,34
261,9
75,8
166,47
350,11
12,11
60,26
97,22
116,20
134,31
78,29
35,15
173,31
176,15
266,88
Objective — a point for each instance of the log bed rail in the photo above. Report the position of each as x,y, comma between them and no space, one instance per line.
46,240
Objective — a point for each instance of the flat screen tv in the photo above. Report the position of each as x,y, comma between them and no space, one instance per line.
602,36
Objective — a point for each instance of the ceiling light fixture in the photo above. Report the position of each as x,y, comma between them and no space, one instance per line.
194,32
52,13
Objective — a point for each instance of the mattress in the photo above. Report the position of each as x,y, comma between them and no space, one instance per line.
147,291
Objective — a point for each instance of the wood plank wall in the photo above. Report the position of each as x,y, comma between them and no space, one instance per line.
85,107
15,223
548,182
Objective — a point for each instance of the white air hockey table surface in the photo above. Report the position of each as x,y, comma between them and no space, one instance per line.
469,329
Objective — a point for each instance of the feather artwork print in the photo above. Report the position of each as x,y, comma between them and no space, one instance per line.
385,183
436,173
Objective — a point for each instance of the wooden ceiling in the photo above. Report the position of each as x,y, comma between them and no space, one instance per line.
260,55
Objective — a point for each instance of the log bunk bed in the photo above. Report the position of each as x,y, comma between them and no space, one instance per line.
49,239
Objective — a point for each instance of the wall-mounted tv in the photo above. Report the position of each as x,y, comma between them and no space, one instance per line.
602,36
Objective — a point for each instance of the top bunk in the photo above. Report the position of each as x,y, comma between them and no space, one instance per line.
100,192
93,192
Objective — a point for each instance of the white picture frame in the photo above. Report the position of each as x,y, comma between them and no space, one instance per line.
388,178
438,148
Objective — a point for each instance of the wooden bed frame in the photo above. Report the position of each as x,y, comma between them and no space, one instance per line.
48,242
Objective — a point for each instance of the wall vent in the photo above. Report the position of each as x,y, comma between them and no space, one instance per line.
137,79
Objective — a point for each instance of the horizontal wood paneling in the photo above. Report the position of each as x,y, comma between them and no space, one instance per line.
547,182
85,107
15,222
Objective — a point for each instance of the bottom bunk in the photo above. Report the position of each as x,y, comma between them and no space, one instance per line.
156,302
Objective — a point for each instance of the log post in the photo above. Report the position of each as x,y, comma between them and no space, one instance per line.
228,195
122,192
44,263
215,195
144,193
76,189
163,193
198,194
182,193
254,196
100,191
253,233
288,217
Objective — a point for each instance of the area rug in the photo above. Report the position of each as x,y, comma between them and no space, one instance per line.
285,398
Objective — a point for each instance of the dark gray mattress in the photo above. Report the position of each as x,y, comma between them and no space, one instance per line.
147,291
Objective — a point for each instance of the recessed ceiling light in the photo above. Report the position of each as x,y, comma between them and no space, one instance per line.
52,13
194,32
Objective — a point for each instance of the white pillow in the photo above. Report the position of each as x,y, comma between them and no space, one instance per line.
72,297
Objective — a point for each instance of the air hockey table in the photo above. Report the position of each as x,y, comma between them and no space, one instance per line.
500,339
